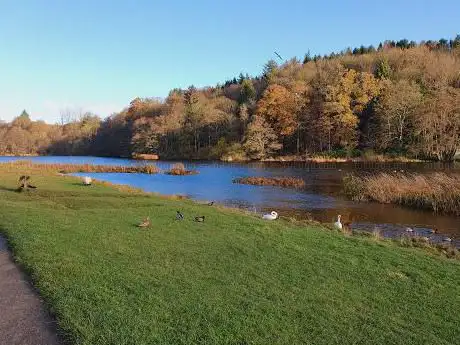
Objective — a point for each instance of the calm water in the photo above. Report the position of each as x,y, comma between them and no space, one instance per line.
321,200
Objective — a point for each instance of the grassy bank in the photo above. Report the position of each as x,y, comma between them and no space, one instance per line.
233,279
438,192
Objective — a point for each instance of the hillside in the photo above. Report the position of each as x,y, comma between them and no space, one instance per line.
401,99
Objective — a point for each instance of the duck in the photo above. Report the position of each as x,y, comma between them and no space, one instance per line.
270,216
433,231
447,239
87,180
409,229
199,219
179,216
338,223
145,223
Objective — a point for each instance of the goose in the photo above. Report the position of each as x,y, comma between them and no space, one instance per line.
199,219
270,216
145,223
24,182
338,223
211,203
87,180
179,216
447,239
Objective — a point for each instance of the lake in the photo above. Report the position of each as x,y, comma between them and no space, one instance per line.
320,200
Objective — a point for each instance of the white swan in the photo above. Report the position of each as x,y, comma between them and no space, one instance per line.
338,223
87,180
270,216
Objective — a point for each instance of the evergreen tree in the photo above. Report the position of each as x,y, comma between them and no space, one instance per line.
269,70
383,70
307,58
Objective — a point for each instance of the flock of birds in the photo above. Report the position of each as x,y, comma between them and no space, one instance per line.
339,225
200,219
179,216
273,215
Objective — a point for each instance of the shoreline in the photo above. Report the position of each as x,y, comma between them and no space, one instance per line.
279,159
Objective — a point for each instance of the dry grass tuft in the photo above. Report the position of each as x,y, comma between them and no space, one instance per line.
179,169
377,235
287,182
438,192
89,168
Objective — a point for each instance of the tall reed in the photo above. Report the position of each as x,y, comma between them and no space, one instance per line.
439,192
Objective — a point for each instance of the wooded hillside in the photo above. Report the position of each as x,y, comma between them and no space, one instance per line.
402,98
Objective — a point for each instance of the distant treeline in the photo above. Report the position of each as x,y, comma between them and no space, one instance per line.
401,98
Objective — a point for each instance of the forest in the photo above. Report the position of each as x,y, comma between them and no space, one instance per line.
399,99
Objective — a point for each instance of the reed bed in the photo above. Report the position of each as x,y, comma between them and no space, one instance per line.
178,169
88,168
438,192
286,182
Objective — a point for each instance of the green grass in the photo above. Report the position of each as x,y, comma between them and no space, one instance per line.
234,279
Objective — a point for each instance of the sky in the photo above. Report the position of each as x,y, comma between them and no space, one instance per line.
98,55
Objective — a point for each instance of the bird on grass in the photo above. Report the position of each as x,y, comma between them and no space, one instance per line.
145,223
24,182
199,219
211,203
338,223
179,216
87,180
270,216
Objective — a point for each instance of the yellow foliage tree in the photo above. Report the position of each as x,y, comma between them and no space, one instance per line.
278,106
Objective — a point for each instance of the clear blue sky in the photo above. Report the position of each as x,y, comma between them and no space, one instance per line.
98,55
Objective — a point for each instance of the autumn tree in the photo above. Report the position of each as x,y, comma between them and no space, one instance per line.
278,107
395,114
260,140
438,124
193,115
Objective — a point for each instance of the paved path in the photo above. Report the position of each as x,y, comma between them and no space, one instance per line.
23,320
